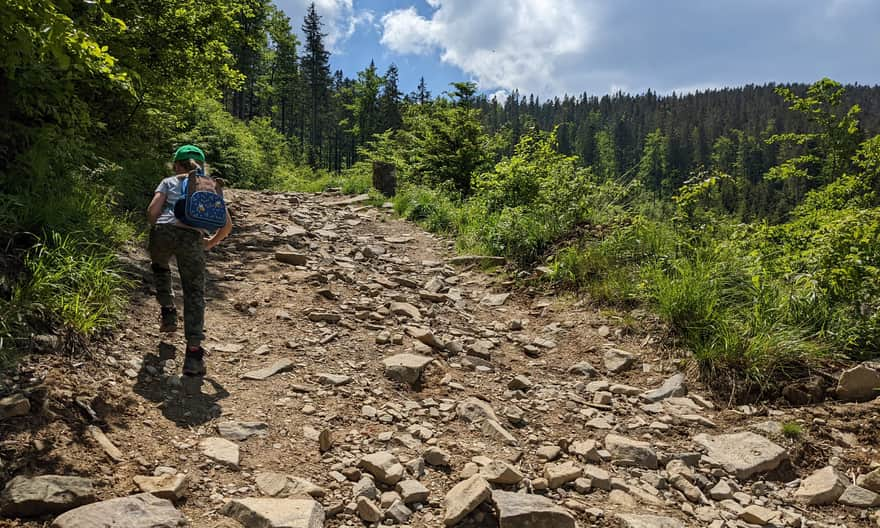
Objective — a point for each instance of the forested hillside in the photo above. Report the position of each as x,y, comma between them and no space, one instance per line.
745,217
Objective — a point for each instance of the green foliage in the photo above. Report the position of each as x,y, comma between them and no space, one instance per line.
792,430
77,282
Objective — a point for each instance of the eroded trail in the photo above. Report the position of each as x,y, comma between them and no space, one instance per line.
351,362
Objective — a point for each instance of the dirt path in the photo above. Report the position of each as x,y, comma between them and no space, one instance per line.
370,286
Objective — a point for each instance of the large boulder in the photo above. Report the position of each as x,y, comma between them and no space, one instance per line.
518,510
136,511
46,494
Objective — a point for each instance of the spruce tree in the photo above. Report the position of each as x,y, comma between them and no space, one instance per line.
389,103
315,71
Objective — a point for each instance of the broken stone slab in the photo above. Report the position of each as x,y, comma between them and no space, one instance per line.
14,405
494,299
384,466
475,410
628,452
46,494
281,485
860,383
755,514
463,498
673,386
405,309
242,430
585,449
282,365
425,336
221,451
334,380
168,487
743,454
368,511
360,198
870,481
519,510
631,520
494,429
412,491
275,513
465,260
824,486
291,257
859,497
405,368
109,448
398,513
617,361
136,511
558,475
500,472
324,317
584,369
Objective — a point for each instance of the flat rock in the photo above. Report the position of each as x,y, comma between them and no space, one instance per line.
168,487
404,309
824,486
583,369
46,494
136,511
281,485
475,410
412,491
384,466
291,257
495,299
673,386
368,511
405,368
759,515
276,513
743,454
631,520
14,405
500,472
334,380
860,383
463,498
859,497
585,449
424,336
558,475
518,510
493,429
242,430
281,365
870,481
629,452
221,451
617,361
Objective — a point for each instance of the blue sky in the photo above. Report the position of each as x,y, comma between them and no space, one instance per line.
551,47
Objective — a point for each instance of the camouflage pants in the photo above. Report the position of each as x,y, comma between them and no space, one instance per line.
185,245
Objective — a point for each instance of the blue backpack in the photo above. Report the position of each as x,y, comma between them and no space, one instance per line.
201,203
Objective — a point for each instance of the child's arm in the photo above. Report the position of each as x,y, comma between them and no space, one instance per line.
221,234
155,207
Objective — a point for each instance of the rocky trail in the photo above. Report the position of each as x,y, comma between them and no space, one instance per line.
359,374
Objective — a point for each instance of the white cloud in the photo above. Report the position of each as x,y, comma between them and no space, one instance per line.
340,19
513,44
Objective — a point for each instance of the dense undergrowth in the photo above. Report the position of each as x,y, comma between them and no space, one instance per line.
755,303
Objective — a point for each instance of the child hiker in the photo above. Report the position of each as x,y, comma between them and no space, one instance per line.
171,237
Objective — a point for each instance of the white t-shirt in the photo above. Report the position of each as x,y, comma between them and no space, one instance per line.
172,188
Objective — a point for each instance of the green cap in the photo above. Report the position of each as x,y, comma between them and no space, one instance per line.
189,152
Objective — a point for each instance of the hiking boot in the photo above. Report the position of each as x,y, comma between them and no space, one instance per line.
194,362
169,319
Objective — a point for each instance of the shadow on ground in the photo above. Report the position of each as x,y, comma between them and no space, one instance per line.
184,400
